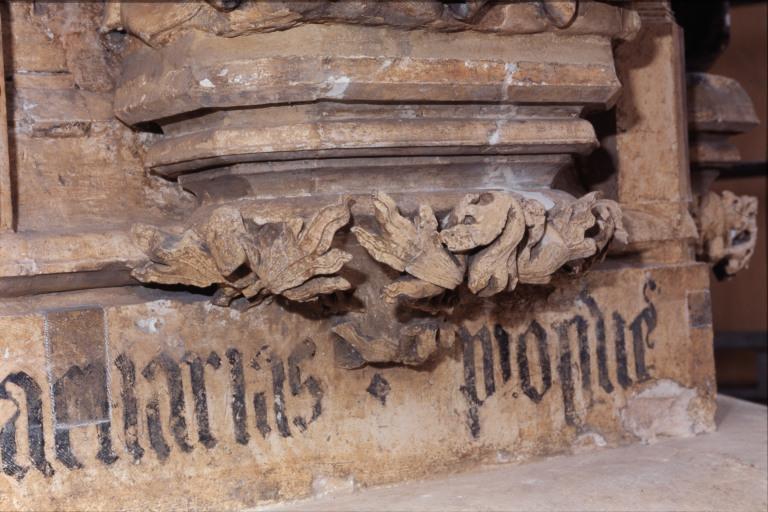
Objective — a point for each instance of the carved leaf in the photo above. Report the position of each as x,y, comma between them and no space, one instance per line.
416,342
277,258
223,234
476,221
414,248
249,259
572,223
316,286
175,259
578,232
494,269
380,350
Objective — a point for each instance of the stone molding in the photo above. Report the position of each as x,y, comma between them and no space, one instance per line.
155,24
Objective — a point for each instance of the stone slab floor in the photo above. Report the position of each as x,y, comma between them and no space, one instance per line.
726,470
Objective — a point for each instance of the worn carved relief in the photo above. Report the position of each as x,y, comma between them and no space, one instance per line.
497,239
727,231
492,241
231,130
246,258
155,24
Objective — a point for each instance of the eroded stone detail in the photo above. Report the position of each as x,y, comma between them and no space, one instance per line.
488,244
248,258
497,239
155,24
727,231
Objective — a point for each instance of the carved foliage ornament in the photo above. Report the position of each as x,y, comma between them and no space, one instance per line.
727,231
496,239
157,22
491,240
245,258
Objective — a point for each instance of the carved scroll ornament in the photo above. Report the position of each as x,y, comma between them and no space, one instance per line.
247,259
727,231
497,239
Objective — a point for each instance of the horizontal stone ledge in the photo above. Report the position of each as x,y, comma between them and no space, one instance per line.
355,64
45,262
224,144
45,253
719,104
427,177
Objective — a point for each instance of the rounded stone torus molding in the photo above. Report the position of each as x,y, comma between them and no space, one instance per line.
486,245
329,130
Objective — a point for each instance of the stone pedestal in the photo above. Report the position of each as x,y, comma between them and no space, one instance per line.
288,243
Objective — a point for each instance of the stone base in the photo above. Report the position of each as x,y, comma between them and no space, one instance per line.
164,401
726,470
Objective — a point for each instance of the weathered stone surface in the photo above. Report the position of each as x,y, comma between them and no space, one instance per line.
725,470
362,64
727,230
225,409
155,25
392,198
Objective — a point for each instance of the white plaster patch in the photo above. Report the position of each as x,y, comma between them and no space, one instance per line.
496,134
545,201
509,78
223,72
325,485
149,325
665,409
28,105
160,308
27,267
206,83
587,442
337,86
503,457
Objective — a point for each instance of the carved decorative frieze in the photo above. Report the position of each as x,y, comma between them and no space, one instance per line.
489,243
497,239
727,231
245,257
492,241
154,24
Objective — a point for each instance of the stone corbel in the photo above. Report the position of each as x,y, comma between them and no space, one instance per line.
248,259
495,239
488,244
727,231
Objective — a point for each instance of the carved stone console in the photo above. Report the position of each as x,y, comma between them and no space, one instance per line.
718,108
345,243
